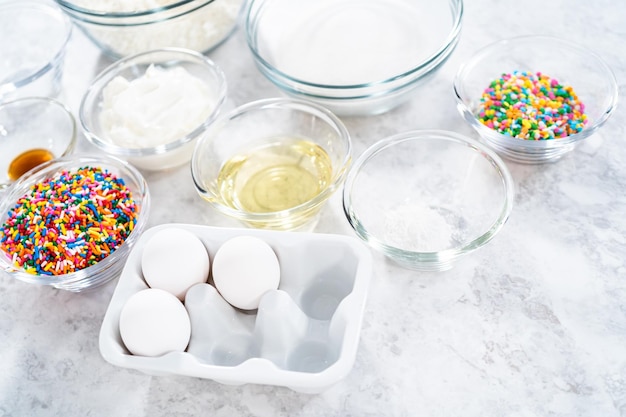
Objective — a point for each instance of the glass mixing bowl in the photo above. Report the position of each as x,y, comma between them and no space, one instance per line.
425,198
153,120
105,269
272,163
33,38
354,58
571,64
33,130
127,28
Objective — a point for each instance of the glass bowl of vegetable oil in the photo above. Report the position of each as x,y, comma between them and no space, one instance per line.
272,163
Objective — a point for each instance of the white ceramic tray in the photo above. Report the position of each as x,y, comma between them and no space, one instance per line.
303,336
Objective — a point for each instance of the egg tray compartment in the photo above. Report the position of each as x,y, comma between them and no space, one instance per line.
303,336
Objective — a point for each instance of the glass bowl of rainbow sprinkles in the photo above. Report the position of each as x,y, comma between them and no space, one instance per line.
533,99
70,223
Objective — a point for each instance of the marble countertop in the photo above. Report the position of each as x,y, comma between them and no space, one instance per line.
533,324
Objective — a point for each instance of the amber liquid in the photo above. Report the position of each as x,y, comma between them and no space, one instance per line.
28,160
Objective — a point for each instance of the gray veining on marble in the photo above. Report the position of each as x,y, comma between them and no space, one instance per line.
532,325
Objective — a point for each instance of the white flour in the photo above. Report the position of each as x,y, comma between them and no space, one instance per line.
417,227
199,30
122,5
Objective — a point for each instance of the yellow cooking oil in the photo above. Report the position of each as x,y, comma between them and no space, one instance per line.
278,175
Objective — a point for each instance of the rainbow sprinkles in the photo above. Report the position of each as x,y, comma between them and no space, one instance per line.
531,106
68,222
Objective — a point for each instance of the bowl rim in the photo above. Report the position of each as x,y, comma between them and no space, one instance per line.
277,102
51,11
434,59
52,167
507,141
109,73
445,257
64,109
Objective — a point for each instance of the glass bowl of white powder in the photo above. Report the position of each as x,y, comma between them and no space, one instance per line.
125,27
151,108
354,58
425,198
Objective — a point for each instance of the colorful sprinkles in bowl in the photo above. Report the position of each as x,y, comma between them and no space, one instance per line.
531,106
68,222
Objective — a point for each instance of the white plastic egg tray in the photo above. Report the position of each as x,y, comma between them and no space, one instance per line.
303,336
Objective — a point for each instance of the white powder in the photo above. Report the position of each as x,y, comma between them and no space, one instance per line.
157,108
341,42
417,227
199,30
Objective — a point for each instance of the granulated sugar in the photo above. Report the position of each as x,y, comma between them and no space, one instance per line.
345,42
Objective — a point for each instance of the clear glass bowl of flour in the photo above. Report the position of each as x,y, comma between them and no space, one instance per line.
425,198
126,27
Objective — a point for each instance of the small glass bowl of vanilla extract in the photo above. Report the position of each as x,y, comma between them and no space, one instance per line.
33,130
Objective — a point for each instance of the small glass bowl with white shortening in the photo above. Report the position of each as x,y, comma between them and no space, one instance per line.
150,108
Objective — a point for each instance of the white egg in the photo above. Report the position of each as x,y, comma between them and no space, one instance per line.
244,268
173,260
154,322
